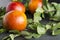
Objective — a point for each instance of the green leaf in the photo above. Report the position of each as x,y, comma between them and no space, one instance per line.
25,33
41,30
30,21
56,26
29,36
55,29
57,15
36,35
54,3
37,17
12,36
1,16
14,31
39,10
20,0
3,11
45,2
37,14
26,3
48,27
31,26
44,7
6,38
57,32
51,9
2,30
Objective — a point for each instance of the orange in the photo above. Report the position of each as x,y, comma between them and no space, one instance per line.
15,6
33,4
15,20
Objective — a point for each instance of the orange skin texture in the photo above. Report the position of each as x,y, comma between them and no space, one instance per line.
15,6
15,20
33,4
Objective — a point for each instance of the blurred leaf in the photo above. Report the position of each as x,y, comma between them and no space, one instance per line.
50,10
48,27
31,26
36,35
12,36
56,26
57,32
57,14
6,38
30,21
14,31
1,16
37,14
50,7
45,2
26,33
44,7
37,17
29,36
3,11
20,0
54,3
39,10
41,30
57,6
55,29
2,30
26,3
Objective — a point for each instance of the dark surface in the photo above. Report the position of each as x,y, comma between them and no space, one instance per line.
47,36
58,1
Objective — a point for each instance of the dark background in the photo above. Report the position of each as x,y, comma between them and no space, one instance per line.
58,1
47,36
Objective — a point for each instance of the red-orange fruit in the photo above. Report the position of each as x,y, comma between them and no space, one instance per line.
33,4
15,20
15,6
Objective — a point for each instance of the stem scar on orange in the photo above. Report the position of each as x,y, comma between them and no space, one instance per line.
15,20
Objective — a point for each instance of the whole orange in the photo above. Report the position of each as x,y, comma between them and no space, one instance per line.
15,20
33,4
